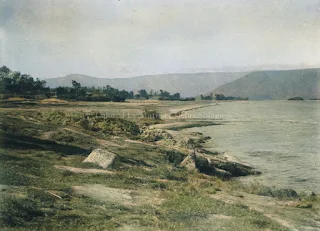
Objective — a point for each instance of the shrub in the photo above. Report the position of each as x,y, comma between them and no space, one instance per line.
153,114
111,126
174,157
62,137
259,189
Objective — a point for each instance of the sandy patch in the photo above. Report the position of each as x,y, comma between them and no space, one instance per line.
83,170
117,195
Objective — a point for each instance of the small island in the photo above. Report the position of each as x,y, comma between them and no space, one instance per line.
296,98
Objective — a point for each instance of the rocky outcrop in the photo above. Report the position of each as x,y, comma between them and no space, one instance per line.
216,166
102,157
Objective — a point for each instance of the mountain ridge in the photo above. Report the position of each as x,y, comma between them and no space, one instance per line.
187,84
274,85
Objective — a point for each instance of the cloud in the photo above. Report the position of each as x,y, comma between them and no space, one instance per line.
124,38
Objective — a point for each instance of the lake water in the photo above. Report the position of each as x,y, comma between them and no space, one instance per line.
279,138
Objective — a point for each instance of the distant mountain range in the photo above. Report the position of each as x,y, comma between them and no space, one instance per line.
186,84
257,85
274,85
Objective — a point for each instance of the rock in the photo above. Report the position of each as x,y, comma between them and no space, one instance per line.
196,134
189,162
304,205
236,169
102,157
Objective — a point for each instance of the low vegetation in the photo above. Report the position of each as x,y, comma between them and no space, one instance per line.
146,190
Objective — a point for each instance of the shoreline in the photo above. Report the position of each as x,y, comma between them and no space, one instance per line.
179,111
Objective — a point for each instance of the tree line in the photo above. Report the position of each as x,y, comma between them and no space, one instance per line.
14,83
221,97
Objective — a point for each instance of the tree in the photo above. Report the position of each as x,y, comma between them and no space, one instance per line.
143,94
76,86
5,70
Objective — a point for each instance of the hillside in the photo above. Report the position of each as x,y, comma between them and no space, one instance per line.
275,85
186,84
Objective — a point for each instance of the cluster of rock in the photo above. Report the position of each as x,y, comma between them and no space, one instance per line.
216,166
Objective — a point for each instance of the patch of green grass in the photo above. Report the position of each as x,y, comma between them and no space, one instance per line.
169,173
262,190
194,211
16,211
72,138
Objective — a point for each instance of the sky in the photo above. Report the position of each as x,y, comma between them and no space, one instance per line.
124,38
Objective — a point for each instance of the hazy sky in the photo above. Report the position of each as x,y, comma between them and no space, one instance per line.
111,38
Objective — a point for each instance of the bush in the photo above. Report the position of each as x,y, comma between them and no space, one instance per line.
259,189
111,126
152,114
62,137
174,157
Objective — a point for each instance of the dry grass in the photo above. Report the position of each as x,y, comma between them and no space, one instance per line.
53,101
16,99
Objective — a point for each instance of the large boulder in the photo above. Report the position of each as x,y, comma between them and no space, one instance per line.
102,157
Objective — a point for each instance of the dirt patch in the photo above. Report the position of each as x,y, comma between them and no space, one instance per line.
106,194
117,195
83,170
138,142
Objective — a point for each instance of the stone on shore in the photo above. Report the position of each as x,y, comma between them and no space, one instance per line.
189,162
102,157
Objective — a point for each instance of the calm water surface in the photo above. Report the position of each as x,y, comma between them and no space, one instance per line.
279,138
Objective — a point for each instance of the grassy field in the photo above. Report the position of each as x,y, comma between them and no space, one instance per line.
146,190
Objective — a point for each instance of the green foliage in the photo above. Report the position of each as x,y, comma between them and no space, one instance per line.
296,98
16,211
63,136
168,173
208,97
21,84
111,126
148,121
151,114
10,176
222,97
259,189
174,157
106,93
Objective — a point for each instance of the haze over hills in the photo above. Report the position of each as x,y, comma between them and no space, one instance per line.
186,84
274,85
